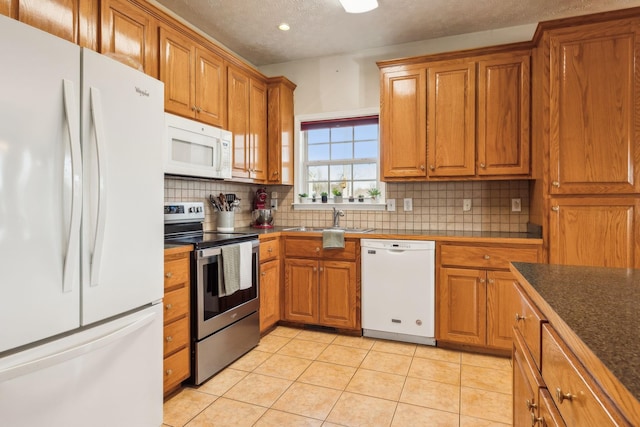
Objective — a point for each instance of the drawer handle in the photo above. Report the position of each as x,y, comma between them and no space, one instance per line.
169,275
270,250
486,257
169,372
535,420
519,317
317,249
263,274
562,396
531,405
169,306
169,338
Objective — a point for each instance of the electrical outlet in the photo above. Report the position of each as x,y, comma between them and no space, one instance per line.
516,205
391,205
274,204
466,205
408,205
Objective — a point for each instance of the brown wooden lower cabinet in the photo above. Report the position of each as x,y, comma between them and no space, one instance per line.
176,334
322,287
474,293
270,295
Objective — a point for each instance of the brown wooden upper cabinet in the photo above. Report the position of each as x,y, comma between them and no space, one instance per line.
462,118
280,122
131,32
593,108
194,78
248,121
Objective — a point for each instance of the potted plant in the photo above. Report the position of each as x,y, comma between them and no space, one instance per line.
361,198
374,193
351,199
313,198
324,197
337,195
303,197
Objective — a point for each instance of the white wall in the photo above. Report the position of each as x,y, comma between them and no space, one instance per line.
351,81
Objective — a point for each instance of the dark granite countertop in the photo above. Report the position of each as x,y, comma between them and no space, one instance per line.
600,305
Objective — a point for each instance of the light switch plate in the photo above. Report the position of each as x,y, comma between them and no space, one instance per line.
408,205
466,205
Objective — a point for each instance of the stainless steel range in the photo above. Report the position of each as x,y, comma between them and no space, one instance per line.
224,289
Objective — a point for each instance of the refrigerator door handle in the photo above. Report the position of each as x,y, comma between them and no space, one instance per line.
72,255
101,152
38,363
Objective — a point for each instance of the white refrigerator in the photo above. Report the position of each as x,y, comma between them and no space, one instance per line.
81,236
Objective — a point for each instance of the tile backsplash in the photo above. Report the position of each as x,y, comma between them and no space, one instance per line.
436,205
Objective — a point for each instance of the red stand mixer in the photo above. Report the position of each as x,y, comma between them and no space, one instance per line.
262,217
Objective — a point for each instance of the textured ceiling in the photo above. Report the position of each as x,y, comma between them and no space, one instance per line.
321,27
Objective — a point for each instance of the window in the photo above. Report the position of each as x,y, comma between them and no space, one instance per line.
340,154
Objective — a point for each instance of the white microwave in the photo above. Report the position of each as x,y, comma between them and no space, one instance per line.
196,149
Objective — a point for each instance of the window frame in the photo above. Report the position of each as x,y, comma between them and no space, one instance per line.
300,154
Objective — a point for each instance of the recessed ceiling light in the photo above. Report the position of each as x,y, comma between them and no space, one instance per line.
359,6
284,26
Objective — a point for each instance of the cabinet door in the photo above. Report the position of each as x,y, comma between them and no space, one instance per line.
403,123
210,88
129,31
595,108
526,382
57,17
280,131
176,71
451,125
238,120
338,294
258,130
269,293
462,301
503,115
501,304
600,232
301,290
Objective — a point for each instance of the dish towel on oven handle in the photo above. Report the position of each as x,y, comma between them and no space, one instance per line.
236,267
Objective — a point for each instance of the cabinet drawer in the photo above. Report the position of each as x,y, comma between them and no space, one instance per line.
176,335
528,320
176,304
176,272
269,249
312,248
583,404
485,256
176,369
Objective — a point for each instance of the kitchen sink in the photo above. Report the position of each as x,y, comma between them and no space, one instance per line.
319,230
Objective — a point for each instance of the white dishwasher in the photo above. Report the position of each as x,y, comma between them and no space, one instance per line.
398,290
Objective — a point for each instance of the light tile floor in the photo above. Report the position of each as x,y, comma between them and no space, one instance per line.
299,377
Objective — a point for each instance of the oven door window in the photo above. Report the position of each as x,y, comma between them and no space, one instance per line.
212,281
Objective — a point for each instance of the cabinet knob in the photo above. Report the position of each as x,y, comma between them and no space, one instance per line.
168,275
432,167
555,208
317,249
490,281
483,166
193,108
315,269
562,396
531,404
168,306
198,110
263,274
321,269
556,184
519,317
486,257
270,250
535,420
169,372
481,279
276,172
169,338
421,167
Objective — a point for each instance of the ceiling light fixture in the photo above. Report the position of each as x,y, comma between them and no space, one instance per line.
359,6
284,26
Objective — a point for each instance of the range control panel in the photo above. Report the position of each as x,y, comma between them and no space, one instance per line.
183,212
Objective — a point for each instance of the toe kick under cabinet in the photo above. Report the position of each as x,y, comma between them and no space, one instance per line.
176,317
322,286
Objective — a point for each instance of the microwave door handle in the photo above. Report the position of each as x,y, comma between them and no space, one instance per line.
96,115
219,154
72,255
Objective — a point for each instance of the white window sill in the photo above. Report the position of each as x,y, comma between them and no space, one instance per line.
346,206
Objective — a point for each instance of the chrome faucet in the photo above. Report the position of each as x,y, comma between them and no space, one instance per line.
336,217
